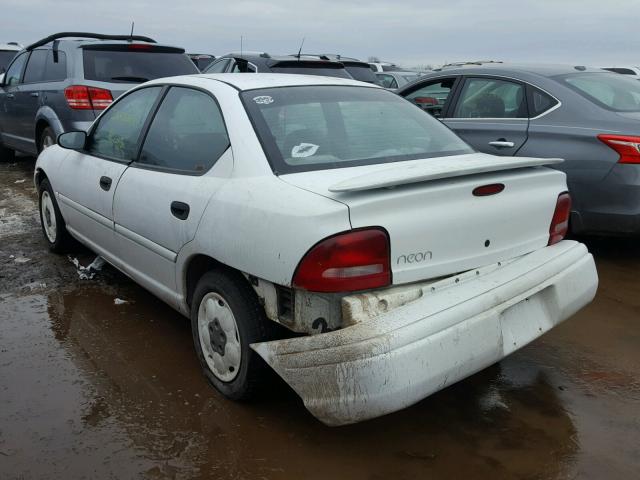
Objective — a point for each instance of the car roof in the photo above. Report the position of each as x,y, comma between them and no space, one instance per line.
399,72
243,81
545,70
13,47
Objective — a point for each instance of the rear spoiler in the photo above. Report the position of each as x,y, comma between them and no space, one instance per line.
96,36
306,63
436,169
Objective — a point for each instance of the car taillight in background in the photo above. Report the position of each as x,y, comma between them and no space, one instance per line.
349,261
628,147
560,221
426,100
81,97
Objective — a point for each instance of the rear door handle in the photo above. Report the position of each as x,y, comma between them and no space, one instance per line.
34,94
10,95
105,183
502,144
180,210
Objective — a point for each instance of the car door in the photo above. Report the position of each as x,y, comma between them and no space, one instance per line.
27,98
88,178
491,114
9,120
161,197
434,95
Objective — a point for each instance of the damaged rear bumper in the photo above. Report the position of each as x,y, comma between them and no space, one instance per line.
454,328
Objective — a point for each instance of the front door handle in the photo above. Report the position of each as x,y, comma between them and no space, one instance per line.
105,183
502,143
10,95
34,94
180,210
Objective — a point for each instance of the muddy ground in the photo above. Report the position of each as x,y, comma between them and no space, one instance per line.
94,388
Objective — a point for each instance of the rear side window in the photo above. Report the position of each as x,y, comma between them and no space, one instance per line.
187,134
134,66
118,131
219,66
44,66
491,98
387,81
362,73
612,91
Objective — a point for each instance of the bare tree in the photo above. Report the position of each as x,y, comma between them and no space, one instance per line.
373,59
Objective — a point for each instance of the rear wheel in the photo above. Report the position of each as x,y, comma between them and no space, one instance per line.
47,139
55,232
226,318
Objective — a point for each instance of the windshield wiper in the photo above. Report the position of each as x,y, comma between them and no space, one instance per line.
130,79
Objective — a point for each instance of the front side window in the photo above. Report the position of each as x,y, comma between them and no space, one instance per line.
431,97
612,91
118,132
12,77
491,98
187,134
320,127
5,57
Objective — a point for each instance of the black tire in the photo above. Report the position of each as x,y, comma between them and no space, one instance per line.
47,134
6,154
62,240
252,326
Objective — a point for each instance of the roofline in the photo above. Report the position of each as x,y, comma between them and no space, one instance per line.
96,36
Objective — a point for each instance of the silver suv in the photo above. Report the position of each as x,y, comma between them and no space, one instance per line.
64,81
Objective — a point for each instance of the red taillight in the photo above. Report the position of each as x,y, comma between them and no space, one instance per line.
486,190
81,97
560,221
628,147
139,46
350,261
426,100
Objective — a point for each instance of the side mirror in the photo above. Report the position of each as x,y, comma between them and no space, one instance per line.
73,140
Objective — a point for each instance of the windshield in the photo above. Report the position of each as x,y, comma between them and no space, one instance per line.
121,66
319,127
609,90
5,57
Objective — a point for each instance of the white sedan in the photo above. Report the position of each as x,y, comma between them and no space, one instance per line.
402,260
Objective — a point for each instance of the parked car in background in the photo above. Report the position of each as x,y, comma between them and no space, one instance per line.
395,80
383,66
357,69
625,70
7,52
587,116
329,207
64,81
201,60
262,62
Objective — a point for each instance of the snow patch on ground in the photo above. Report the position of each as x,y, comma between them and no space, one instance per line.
88,272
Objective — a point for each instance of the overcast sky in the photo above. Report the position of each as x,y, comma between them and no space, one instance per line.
409,32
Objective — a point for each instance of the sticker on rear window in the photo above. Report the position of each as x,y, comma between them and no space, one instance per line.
263,100
304,150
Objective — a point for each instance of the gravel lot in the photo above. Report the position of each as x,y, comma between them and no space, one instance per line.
98,379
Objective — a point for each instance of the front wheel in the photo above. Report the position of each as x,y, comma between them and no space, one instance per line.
226,318
55,232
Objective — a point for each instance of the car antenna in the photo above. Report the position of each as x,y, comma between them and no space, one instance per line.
241,56
131,34
300,51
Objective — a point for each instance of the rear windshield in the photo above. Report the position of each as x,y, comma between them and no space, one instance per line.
320,127
134,66
5,57
612,91
362,73
309,69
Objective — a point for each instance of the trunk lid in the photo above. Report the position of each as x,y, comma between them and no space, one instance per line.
436,225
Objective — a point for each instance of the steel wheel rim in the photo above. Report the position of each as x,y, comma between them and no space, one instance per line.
48,216
47,141
218,331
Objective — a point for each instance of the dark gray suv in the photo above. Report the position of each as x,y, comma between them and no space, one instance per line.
64,81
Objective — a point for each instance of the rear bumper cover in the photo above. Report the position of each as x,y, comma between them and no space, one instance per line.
454,329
